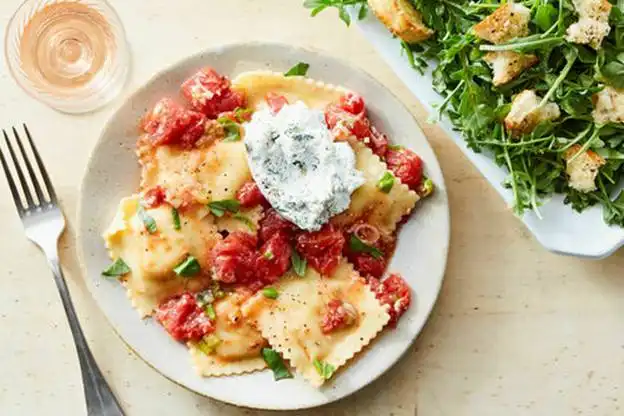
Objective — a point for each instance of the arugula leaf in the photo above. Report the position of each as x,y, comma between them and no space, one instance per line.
116,269
219,208
386,182
276,364
232,129
324,369
318,6
175,215
270,292
299,264
148,221
301,69
188,268
358,246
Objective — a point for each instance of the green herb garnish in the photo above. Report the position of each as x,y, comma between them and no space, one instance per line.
209,343
276,364
268,255
219,208
232,129
188,268
301,69
426,188
241,114
116,269
270,292
386,182
175,215
148,221
299,264
357,245
324,369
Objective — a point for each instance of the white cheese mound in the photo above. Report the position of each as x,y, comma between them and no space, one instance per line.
302,172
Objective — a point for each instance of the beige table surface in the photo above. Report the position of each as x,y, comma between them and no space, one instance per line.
516,331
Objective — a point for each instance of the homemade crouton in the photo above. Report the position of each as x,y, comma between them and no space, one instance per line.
526,113
507,22
401,18
593,25
583,169
609,106
507,65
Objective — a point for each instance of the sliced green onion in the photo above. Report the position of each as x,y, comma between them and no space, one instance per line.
208,345
116,269
301,69
232,129
357,245
426,188
175,215
324,369
219,208
276,364
386,182
241,113
210,312
268,255
270,292
299,264
188,268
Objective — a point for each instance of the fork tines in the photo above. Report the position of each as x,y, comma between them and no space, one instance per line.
33,181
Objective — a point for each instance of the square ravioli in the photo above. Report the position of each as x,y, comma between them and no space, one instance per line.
237,346
153,256
369,203
292,323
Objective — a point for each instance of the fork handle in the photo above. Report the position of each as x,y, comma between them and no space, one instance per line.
99,397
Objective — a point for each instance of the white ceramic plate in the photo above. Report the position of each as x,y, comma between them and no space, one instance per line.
560,229
113,173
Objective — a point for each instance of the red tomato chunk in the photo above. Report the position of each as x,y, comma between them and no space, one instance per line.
234,258
338,315
211,94
170,123
394,292
249,195
274,258
322,249
365,263
273,223
275,102
154,197
184,319
353,103
407,166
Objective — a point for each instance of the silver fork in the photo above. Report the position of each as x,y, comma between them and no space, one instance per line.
44,223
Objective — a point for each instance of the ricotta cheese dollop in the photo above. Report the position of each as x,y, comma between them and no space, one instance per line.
302,172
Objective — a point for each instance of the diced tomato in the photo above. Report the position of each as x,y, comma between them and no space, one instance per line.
275,102
273,223
322,249
154,197
274,258
353,103
249,195
405,165
367,266
184,319
340,121
170,123
210,93
378,142
234,258
338,315
365,263
394,292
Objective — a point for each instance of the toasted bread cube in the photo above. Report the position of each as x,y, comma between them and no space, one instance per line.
401,18
609,106
593,25
583,169
526,113
507,22
507,65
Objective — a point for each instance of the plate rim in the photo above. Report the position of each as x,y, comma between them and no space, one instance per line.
224,48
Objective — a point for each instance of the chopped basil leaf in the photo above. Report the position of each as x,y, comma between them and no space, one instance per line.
176,219
241,114
268,255
210,312
326,370
148,221
209,344
270,292
116,269
301,69
219,208
189,267
245,220
232,129
276,364
386,182
299,264
358,245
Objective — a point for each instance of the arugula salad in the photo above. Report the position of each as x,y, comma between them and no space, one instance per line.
538,84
